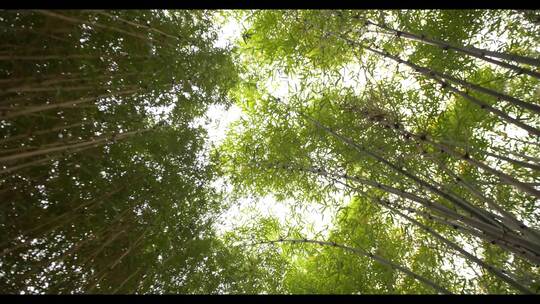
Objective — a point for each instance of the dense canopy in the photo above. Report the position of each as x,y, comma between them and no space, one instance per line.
416,133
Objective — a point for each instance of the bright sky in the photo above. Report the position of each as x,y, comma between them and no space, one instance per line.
315,220
218,121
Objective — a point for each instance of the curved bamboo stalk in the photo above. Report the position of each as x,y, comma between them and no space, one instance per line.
516,162
508,217
487,229
516,243
363,252
444,84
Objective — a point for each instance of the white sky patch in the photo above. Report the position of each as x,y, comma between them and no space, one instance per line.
229,31
459,263
161,112
314,219
353,77
250,209
219,120
281,85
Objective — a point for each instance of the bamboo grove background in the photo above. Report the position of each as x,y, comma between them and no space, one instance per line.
432,143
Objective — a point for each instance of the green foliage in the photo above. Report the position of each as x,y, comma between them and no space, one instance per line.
107,178
130,215
267,151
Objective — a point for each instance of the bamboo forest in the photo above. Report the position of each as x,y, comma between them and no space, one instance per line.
270,151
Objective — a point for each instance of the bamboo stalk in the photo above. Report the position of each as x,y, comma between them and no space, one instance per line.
526,157
448,196
363,252
497,272
503,177
107,269
29,134
431,74
111,239
36,32
508,217
126,280
90,23
44,146
41,79
471,51
486,229
494,270
92,142
514,161
66,104
444,84
79,244
45,57
138,26
40,161
93,203
45,84
119,260
502,115
401,130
